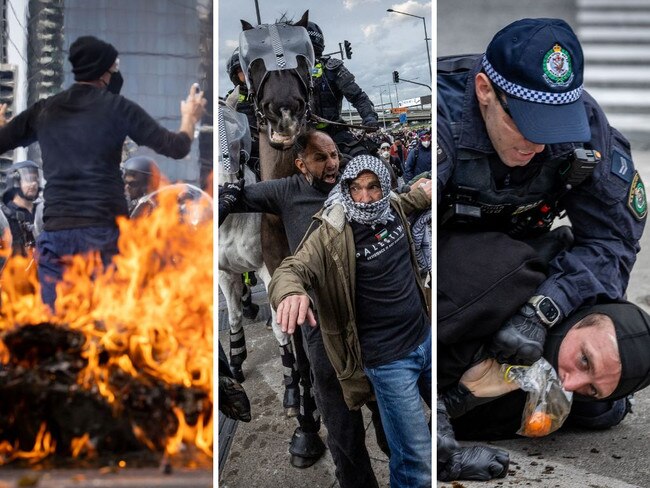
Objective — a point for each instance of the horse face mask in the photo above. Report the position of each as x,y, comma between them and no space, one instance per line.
278,46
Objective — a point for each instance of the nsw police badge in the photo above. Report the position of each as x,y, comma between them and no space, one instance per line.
557,67
636,200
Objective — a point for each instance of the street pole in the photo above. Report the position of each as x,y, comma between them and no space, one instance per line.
257,11
383,116
426,41
426,37
396,95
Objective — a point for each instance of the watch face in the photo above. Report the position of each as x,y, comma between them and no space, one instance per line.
548,309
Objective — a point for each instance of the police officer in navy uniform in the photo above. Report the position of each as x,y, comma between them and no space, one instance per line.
245,106
19,204
520,143
333,82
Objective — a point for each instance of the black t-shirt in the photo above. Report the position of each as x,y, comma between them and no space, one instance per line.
81,131
390,315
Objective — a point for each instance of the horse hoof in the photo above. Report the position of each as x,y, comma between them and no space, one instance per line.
268,324
250,311
238,373
291,412
306,448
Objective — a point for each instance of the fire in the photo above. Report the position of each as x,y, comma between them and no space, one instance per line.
147,317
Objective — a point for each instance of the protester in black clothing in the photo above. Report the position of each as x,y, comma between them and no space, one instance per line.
19,204
81,132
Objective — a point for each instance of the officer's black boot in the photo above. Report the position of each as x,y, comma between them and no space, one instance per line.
291,401
479,463
306,445
249,309
238,354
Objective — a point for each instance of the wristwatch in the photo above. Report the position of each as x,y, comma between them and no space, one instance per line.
546,309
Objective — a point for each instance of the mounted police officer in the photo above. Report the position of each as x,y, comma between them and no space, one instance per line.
245,106
519,144
141,177
332,81
19,203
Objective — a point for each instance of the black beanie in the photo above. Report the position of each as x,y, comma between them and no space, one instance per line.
632,327
91,58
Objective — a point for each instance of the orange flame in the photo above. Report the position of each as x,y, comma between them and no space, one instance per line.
150,313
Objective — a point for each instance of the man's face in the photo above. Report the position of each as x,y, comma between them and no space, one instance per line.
589,362
366,188
241,76
320,160
511,146
135,185
29,184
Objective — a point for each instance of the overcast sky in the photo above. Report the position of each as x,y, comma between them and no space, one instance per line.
381,41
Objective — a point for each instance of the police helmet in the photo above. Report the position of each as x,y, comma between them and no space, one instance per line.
146,175
22,171
317,38
233,66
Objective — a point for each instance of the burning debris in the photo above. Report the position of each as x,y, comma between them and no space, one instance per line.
125,361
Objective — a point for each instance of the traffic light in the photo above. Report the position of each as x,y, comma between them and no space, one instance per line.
395,76
8,86
348,49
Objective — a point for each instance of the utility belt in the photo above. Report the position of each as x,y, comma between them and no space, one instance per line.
521,215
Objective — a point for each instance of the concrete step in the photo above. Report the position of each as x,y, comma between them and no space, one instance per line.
595,53
628,17
621,97
607,76
614,34
613,4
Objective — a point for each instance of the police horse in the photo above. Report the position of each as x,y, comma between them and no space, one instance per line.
277,60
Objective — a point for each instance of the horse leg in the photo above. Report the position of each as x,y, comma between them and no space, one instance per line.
291,376
274,242
231,287
249,309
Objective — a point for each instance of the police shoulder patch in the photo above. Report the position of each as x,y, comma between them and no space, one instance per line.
636,199
622,165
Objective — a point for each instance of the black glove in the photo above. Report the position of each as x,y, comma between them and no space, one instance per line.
521,339
459,400
233,401
478,463
229,193
465,463
371,122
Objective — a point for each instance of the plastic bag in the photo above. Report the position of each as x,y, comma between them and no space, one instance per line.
547,404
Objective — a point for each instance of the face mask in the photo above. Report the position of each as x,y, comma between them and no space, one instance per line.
115,83
426,144
385,155
321,186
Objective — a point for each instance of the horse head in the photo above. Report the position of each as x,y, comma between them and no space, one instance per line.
277,60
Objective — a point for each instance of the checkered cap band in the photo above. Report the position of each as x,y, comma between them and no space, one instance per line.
223,143
528,94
